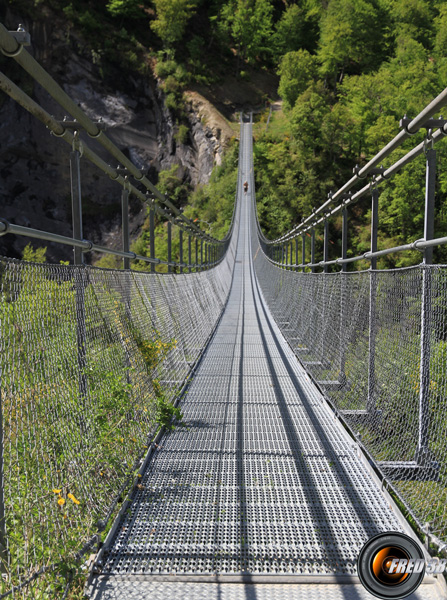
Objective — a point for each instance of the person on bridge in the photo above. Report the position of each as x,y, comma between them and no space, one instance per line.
245,186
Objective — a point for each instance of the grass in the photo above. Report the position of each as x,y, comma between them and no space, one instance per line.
77,415
278,125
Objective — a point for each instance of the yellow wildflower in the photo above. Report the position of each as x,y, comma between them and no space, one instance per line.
57,491
73,499
61,501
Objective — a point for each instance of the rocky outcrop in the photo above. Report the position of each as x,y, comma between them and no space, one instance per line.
34,166
210,132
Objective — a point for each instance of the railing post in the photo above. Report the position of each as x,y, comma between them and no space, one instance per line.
296,253
303,252
189,253
323,327
197,254
344,268
312,249
344,239
371,401
76,202
180,233
422,453
3,538
126,264
201,254
81,333
326,245
125,224
169,246
152,236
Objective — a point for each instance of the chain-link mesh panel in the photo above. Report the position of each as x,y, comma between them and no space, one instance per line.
362,336
89,359
376,342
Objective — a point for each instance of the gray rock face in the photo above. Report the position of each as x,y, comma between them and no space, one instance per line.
34,165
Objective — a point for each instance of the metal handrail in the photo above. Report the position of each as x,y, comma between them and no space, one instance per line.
300,307
422,120
158,202
11,47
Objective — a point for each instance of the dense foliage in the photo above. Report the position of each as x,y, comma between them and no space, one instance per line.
363,65
348,71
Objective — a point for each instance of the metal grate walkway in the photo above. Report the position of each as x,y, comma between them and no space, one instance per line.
262,481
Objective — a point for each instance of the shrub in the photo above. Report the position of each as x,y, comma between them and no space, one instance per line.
181,137
31,255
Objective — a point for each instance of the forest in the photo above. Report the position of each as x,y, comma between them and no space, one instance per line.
347,72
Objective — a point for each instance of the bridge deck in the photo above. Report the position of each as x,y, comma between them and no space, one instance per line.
261,481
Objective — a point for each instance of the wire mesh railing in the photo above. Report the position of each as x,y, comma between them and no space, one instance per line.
92,362
375,340
327,321
76,132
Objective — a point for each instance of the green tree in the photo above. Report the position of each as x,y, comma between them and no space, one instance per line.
440,45
170,183
213,203
296,29
307,117
130,9
36,256
297,70
351,38
414,19
172,18
378,100
249,25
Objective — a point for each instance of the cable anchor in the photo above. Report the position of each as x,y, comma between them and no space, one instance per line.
22,37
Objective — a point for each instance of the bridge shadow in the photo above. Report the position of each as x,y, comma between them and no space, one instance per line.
320,515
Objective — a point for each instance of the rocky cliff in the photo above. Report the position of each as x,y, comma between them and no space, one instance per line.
34,165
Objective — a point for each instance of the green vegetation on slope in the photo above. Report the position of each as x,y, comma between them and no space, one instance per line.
368,63
348,71
210,206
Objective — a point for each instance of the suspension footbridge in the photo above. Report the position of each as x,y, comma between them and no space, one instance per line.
294,447
263,485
